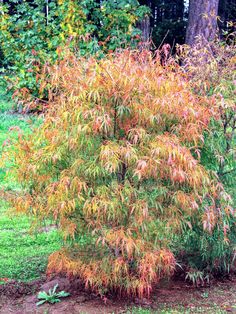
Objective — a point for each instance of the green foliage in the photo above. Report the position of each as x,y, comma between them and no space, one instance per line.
29,36
212,73
5,100
178,310
52,296
211,253
197,277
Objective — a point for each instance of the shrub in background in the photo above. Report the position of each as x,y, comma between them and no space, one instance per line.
116,162
211,70
31,32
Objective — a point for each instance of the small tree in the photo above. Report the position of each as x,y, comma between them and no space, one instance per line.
115,166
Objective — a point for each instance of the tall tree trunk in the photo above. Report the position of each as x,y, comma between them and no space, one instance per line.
202,20
145,24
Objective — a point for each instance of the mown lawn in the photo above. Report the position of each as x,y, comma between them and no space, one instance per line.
213,310
180,310
23,254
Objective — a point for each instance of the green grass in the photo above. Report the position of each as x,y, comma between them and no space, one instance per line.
23,255
180,310
5,100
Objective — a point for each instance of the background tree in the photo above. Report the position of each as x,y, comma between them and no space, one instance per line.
145,24
167,19
202,20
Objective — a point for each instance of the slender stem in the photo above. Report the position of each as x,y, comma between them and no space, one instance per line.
47,11
115,119
227,172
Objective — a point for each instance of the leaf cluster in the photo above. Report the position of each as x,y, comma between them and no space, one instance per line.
52,296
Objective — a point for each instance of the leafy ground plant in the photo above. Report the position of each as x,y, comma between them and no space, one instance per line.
197,278
52,296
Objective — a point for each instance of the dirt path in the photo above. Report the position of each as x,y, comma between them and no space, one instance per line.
176,297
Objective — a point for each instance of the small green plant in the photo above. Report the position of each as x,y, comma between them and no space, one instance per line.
205,295
52,296
197,277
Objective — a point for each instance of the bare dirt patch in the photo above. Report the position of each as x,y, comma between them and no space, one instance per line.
172,295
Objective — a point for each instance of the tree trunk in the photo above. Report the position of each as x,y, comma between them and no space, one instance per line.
145,24
202,20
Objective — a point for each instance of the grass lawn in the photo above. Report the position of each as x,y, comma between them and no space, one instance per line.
180,310
23,255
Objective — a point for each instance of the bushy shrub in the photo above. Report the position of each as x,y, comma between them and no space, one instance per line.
212,253
211,70
115,162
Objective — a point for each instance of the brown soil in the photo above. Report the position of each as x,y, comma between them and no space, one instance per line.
18,299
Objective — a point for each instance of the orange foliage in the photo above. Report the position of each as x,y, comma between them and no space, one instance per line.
116,161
